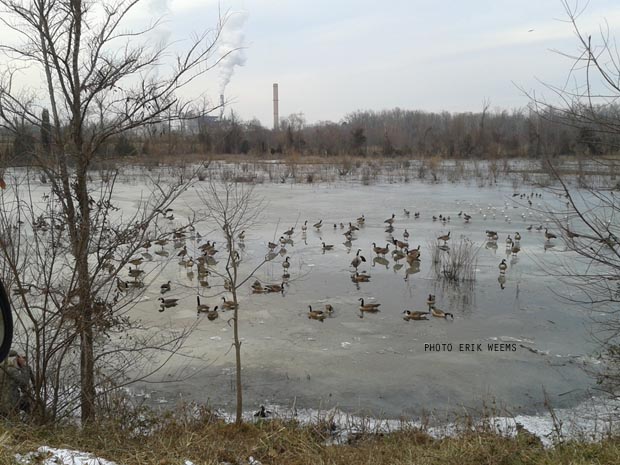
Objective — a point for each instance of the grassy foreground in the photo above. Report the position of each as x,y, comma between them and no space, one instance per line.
210,441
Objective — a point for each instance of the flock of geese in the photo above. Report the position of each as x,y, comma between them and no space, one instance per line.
398,249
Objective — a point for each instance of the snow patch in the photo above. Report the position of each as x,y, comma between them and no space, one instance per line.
50,456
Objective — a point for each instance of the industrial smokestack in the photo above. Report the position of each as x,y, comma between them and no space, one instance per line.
276,123
221,106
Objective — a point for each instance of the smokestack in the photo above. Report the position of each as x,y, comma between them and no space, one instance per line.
276,123
221,106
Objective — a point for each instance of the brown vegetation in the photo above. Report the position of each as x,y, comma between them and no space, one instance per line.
204,439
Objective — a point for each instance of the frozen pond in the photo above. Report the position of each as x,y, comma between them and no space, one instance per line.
379,364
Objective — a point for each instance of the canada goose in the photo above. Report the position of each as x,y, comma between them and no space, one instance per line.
509,241
515,250
466,217
539,228
430,300
413,255
360,278
370,308
503,266
257,287
201,308
262,413
517,237
135,273
275,287
271,245
329,309
416,215
400,244
120,285
445,238
571,234
241,235
358,259
318,225
380,250
391,219
190,263
491,234
183,252
207,246
353,228
407,212
316,314
228,304
289,232
549,235
167,303
389,229
212,314
286,264
440,313
406,234
282,240
161,242
415,315
361,219
529,228
136,261
164,287
327,247
304,227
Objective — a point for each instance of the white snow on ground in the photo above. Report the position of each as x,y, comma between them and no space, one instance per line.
52,456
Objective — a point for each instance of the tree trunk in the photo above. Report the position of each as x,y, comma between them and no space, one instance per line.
237,343
239,410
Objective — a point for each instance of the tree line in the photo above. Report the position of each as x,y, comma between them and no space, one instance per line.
395,132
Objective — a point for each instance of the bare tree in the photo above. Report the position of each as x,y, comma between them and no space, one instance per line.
101,80
234,208
586,220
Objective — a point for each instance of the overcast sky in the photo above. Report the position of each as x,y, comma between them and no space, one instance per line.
332,57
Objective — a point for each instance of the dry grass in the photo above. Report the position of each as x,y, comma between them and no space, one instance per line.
205,440
458,264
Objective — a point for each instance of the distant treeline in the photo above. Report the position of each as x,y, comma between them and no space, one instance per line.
396,132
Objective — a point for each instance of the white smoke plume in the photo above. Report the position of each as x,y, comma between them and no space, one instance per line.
231,43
